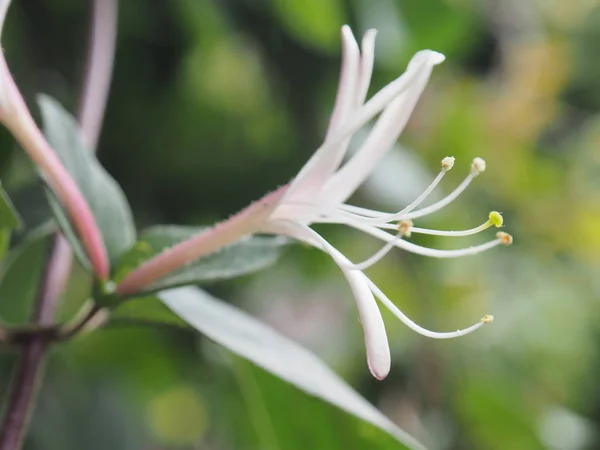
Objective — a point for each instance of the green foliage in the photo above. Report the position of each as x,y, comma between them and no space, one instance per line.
20,273
106,199
31,201
245,256
9,220
9,217
145,311
313,22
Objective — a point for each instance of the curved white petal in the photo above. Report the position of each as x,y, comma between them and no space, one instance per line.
376,342
385,132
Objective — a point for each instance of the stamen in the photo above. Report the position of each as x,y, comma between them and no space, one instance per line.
488,318
358,211
419,329
377,256
501,238
442,203
435,253
405,227
495,219
359,266
447,164
504,238
478,165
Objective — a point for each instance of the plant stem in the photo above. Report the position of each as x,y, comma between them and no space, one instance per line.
29,370
98,71
24,389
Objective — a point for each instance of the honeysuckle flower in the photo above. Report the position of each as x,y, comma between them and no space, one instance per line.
318,195
15,115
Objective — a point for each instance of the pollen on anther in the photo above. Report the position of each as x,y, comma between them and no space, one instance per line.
488,318
405,227
496,219
505,238
478,165
448,162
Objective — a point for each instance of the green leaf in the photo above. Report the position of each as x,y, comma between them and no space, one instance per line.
247,337
9,220
313,22
243,257
145,311
104,196
20,274
32,203
9,217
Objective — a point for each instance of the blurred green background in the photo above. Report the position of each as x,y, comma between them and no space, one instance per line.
214,103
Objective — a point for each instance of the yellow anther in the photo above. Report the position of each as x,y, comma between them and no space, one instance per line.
478,165
488,318
496,219
505,238
448,162
405,227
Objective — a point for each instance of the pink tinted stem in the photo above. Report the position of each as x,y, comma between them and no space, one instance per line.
98,72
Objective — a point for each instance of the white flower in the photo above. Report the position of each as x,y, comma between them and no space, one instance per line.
318,194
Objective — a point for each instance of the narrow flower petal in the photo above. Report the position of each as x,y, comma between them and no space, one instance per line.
376,343
349,75
323,163
367,60
385,132
378,353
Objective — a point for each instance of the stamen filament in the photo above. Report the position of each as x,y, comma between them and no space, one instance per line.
425,193
440,204
377,256
494,220
419,329
327,247
447,164
425,251
406,213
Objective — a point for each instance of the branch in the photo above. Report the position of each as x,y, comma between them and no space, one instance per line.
93,102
